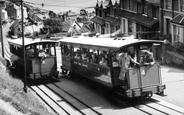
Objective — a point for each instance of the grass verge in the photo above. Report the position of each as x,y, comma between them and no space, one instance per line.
11,90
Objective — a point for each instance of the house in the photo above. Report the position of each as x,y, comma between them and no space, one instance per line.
112,22
172,19
16,29
14,11
40,17
4,15
70,17
99,23
139,17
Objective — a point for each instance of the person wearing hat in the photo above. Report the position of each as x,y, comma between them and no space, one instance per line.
148,58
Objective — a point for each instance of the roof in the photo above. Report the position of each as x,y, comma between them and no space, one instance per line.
43,16
28,41
179,19
98,20
112,20
106,43
146,21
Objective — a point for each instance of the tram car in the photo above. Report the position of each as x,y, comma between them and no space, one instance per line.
97,59
40,57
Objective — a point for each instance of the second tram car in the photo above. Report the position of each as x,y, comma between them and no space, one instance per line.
40,56
98,60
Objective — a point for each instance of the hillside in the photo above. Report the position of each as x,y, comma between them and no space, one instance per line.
15,100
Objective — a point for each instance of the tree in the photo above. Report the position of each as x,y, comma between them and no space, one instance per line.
54,25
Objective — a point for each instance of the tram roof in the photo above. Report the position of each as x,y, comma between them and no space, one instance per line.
106,42
28,41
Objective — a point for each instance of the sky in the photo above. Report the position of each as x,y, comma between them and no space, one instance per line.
63,5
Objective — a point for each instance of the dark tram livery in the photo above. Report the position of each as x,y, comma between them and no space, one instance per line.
40,56
97,59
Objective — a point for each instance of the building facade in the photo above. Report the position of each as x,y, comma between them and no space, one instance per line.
172,15
139,17
105,21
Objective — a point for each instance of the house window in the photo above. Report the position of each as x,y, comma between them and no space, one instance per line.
145,9
129,26
112,28
182,5
126,5
176,32
168,30
155,11
131,5
168,4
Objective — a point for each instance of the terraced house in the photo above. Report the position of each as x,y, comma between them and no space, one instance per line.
139,17
106,21
172,15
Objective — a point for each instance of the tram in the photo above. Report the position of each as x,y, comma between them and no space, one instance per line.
40,56
83,56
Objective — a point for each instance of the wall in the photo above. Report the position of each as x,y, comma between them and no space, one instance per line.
173,59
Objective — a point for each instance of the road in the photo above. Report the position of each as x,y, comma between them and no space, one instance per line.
174,80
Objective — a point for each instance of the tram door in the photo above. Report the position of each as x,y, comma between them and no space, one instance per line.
66,57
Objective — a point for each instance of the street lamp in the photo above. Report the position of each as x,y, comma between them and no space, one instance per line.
2,6
23,47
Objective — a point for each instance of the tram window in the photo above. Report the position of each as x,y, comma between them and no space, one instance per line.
76,53
84,54
65,50
93,56
104,58
52,53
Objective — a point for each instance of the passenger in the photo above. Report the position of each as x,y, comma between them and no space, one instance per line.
115,62
84,56
125,60
148,59
103,62
93,58
77,56
42,55
132,61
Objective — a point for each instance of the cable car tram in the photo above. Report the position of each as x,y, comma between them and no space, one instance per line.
98,59
40,56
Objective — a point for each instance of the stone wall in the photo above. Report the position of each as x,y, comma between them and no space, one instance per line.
174,59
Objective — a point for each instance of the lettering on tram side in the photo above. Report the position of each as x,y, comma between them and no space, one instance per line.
80,63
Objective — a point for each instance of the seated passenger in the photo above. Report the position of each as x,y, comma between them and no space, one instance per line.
103,62
148,59
42,55
77,56
93,59
84,56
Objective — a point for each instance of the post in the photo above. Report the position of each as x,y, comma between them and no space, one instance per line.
23,47
2,43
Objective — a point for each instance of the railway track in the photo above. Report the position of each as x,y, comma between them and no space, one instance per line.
61,101
65,103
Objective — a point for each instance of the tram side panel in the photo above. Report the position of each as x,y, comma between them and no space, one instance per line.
144,80
38,68
92,71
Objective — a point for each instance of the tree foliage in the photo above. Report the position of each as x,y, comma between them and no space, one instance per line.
54,25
